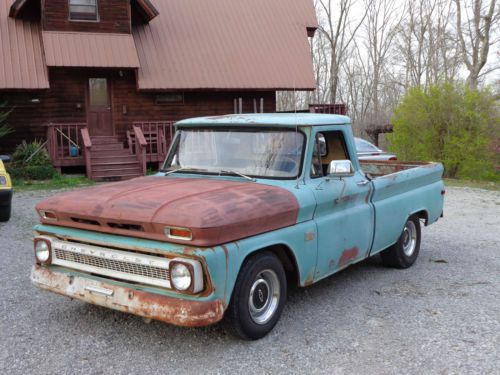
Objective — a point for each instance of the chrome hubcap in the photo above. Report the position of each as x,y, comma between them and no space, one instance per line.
409,238
264,296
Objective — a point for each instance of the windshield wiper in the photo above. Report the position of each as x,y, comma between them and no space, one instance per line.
222,171
185,169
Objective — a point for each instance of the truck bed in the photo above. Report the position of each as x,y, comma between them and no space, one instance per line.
377,168
399,189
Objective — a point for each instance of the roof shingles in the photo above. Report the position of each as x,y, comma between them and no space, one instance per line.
227,44
192,44
21,58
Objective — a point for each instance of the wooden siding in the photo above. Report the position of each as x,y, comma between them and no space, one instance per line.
114,17
65,102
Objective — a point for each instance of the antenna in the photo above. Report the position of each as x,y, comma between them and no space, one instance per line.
296,125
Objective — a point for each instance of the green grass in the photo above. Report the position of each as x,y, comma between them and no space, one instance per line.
58,182
487,185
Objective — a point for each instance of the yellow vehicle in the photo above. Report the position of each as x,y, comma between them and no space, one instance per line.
5,191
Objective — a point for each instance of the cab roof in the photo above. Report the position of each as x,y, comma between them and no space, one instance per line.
268,119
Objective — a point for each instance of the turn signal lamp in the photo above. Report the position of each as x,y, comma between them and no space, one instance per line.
179,233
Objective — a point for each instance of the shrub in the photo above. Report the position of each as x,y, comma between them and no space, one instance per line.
451,124
31,161
36,172
31,154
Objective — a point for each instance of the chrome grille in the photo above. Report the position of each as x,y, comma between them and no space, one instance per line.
117,264
114,265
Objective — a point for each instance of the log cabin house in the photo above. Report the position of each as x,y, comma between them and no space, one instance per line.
102,81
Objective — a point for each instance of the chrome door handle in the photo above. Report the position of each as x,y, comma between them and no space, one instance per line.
363,182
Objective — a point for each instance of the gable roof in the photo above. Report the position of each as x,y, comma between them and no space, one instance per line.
187,45
227,44
21,57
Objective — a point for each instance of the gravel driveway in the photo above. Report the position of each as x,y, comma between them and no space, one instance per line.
439,317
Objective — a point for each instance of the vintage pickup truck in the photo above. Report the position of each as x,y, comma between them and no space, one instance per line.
244,207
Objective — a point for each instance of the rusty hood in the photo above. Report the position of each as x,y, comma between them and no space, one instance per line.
216,211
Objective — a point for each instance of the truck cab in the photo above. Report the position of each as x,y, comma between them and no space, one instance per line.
243,206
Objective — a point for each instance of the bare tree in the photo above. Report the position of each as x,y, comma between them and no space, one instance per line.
425,43
474,35
382,21
339,30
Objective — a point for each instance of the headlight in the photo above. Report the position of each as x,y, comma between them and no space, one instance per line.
42,251
3,181
181,276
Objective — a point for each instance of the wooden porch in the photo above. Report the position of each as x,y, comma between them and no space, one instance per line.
109,157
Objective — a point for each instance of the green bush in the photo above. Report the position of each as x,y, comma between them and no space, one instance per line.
31,154
36,172
451,124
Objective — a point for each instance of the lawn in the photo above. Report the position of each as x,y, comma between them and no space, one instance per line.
58,182
487,185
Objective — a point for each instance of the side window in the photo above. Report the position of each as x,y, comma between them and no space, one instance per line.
83,10
329,146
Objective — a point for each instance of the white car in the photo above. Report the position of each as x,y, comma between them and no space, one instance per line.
368,151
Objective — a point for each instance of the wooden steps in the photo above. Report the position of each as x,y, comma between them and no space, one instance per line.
111,161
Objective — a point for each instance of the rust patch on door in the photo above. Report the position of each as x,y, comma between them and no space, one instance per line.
348,256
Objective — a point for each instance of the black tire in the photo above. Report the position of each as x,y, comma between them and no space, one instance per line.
404,252
244,323
5,212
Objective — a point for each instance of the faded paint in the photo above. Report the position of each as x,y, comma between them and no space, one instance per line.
177,311
216,211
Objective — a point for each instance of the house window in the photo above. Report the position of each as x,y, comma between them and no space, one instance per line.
258,105
169,98
83,10
98,90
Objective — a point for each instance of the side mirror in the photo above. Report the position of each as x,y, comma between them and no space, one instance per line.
5,158
340,168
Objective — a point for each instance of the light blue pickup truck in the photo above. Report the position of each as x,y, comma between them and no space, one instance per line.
245,206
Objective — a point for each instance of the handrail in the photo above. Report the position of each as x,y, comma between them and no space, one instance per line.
87,143
158,135
140,147
68,138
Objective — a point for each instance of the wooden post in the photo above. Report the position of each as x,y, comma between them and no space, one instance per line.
140,144
87,143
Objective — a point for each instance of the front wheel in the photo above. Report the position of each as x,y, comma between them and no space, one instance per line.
258,298
404,252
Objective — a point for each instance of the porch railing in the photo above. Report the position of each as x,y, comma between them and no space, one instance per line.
65,144
158,136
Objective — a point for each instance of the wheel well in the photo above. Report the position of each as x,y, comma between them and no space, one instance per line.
285,255
423,215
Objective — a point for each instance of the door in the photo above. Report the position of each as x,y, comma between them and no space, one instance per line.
99,107
344,214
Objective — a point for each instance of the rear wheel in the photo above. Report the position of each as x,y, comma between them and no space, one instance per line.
404,252
258,298
5,212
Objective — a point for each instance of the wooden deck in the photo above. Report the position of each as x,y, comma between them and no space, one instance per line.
110,157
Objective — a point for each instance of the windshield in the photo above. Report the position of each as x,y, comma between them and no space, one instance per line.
257,153
364,146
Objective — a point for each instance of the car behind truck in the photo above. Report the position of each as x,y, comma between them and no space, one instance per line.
244,206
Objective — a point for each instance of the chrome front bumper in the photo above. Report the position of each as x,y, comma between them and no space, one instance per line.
177,311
